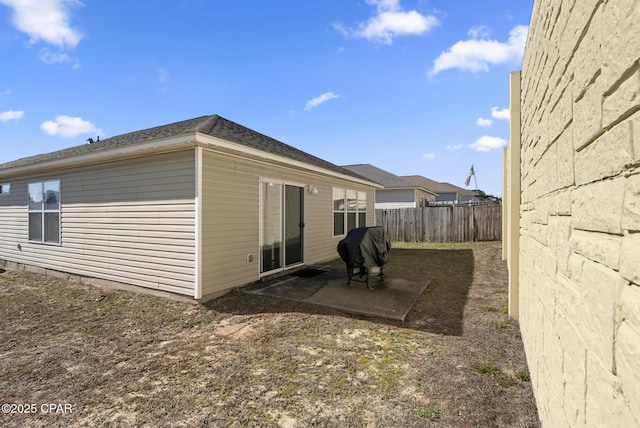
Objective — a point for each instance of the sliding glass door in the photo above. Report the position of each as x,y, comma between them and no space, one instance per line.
281,226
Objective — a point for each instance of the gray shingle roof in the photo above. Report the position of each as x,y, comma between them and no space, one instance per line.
436,186
373,173
213,125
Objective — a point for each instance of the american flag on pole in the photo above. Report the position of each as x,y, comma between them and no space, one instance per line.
468,180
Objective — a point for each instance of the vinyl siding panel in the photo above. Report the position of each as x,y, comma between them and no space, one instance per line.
129,221
13,220
395,198
230,224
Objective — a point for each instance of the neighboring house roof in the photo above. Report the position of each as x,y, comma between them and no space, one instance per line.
436,186
213,125
387,179
465,192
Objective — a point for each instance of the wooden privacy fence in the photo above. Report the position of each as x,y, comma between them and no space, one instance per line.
442,224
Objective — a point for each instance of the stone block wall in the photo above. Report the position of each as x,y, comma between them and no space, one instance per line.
579,240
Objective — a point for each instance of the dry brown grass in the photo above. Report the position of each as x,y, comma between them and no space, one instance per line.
126,359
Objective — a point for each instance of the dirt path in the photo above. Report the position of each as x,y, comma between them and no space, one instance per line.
123,359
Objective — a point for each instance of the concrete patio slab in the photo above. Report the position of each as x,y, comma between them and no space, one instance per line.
391,299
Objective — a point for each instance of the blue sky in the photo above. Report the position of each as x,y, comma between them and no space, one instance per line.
415,87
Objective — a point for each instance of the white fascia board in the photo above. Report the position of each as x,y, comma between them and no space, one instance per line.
155,146
211,142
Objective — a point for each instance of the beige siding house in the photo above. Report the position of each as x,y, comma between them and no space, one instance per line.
446,193
195,208
397,192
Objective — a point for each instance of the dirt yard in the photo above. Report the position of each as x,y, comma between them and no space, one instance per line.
77,355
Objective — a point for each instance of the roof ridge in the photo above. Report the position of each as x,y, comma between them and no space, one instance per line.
207,125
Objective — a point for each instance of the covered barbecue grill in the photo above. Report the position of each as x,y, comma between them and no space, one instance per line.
364,250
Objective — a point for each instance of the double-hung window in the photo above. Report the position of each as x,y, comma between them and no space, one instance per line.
338,211
349,210
44,212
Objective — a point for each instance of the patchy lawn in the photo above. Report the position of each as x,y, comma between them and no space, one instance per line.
106,357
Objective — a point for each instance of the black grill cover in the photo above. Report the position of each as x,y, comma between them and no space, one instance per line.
364,247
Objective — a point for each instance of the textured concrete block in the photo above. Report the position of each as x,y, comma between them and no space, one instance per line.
587,57
635,134
628,364
587,114
629,308
540,212
560,203
577,21
548,171
561,112
606,404
568,300
606,156
599,247
558,235
630,259
573,372
525,220
546,263
599,290
598,206
576,262
620,48
631,208
624,97
539,232
565,171
553,356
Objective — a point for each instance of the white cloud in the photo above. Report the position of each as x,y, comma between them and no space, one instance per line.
391,21
46,20
49,57
455,147
6,92
484,122
6,116
429,156
321,99
67,126
479,31
496,113
384,5
480,54
486,143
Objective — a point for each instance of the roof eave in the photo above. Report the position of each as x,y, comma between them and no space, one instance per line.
98,156
184,141
226,146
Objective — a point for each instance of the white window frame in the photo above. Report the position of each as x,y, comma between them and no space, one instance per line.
43,211
359,208
5,189
340,210
282,183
